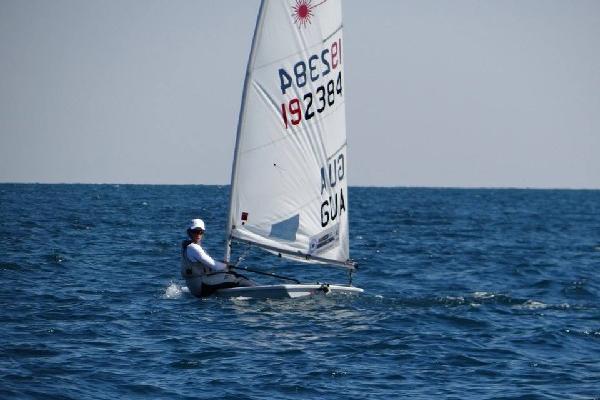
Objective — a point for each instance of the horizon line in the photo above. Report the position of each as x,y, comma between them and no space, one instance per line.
351,186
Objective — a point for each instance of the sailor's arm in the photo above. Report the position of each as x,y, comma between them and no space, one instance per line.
197,254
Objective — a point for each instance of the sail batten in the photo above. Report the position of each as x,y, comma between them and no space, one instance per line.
289,189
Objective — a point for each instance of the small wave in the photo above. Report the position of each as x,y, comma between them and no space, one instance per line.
483,295
186,364
9,266
55,258
578,289
461,360
240,299
174,291
531,305
591,334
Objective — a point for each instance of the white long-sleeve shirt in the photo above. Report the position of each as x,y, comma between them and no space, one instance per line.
196,253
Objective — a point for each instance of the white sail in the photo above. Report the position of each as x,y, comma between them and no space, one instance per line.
289,180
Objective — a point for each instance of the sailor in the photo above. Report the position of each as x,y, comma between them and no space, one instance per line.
202,274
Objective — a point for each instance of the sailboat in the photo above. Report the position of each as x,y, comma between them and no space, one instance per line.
289,192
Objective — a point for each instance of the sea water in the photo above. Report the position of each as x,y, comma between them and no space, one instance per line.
469,294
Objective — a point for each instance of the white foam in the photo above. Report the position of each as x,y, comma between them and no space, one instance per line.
173,291
483,295
532,305
240,298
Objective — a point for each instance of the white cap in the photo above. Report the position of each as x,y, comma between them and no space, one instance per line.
197,224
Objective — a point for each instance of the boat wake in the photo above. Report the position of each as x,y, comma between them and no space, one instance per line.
473,300
174,291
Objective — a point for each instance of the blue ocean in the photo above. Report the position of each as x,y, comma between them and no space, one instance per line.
469,294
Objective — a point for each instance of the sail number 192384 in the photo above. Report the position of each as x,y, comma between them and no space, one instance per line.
318,66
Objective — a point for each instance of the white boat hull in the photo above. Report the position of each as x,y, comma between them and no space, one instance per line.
287,291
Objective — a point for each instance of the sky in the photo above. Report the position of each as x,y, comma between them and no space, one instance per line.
438,93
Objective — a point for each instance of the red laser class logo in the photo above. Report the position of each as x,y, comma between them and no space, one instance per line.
303,12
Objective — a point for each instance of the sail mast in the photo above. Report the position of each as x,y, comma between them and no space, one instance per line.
229,227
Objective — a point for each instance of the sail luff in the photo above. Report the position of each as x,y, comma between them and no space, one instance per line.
259,20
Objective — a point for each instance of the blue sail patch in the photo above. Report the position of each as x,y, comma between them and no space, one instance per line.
286,229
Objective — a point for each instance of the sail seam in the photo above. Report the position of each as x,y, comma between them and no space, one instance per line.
300,52
296,131
338,150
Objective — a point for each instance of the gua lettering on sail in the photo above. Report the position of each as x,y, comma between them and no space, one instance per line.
330,177
333,203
